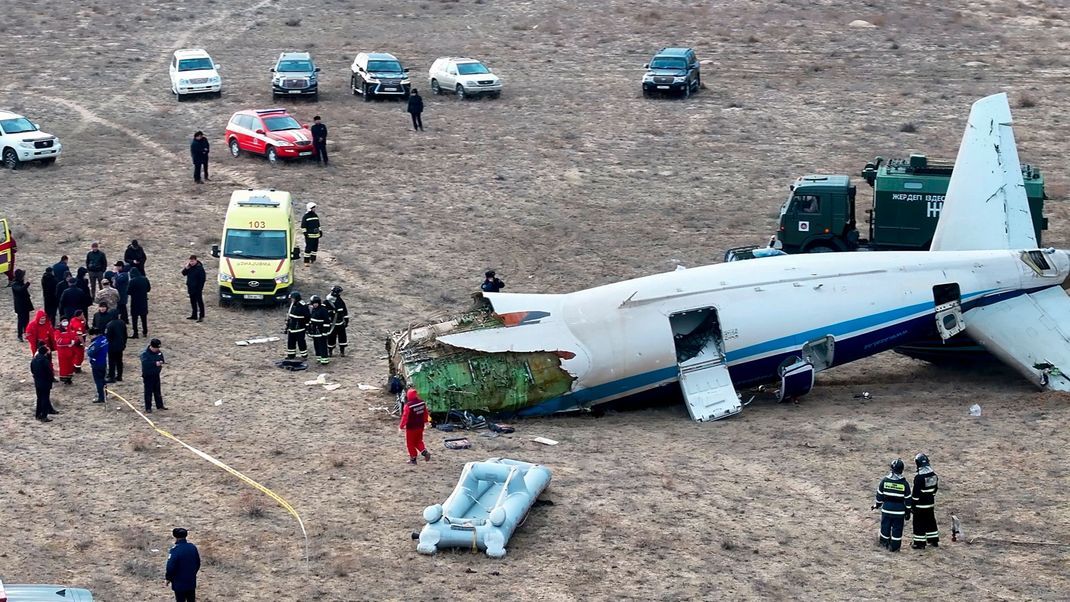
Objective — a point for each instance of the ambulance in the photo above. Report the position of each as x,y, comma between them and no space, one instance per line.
258,249
7,250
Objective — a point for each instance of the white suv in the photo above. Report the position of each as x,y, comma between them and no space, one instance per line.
21,141
464,77
194,72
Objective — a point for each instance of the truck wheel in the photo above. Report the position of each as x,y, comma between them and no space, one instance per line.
272,155
10,158
235,150
435,88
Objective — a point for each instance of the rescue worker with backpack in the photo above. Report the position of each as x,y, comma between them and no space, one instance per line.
924,504
296,323
893,498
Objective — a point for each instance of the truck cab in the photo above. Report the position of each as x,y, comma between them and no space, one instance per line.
257,249
818,216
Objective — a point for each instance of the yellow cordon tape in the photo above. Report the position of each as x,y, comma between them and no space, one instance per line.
271,494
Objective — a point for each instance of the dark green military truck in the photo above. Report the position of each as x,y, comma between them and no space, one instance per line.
908,194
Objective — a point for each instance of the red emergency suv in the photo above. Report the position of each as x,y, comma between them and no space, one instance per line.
273,133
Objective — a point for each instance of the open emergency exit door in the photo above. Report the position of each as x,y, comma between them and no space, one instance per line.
948,303
704,379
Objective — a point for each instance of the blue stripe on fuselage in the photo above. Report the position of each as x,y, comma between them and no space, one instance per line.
764,370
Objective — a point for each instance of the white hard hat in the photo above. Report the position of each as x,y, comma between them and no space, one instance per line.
309,206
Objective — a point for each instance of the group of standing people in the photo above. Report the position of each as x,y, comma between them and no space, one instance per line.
325,320
897,500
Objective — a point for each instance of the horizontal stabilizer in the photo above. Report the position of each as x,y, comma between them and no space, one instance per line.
508,303
1030,333
986,207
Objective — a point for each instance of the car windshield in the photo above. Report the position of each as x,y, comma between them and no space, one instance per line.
471,69
667,62
255,244
200,64
300,66
17,125
279,124
391,66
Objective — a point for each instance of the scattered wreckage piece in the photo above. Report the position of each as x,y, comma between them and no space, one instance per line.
256,341
487,505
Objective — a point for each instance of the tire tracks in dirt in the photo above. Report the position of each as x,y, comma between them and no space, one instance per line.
88,116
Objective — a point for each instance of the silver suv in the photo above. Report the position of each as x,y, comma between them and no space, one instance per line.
294,74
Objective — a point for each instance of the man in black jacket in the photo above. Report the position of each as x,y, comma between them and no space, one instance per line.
198,150
20,294
319,139
135,256
122,283
115,332
95,264
183,562
416,109
72,299
195,278
48,292
151,366
101,319
138,292
43,376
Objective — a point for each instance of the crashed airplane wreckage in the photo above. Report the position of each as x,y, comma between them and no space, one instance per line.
719,328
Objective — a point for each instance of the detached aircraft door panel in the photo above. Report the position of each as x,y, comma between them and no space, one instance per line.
704,378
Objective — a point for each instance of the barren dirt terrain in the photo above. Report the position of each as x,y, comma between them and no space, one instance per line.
570,180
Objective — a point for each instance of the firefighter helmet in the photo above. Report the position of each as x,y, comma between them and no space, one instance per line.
296,296
921,460
897,466
314,299
336,290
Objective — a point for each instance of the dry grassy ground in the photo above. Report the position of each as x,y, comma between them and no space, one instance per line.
570,180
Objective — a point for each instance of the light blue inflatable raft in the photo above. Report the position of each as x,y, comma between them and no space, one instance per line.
490,500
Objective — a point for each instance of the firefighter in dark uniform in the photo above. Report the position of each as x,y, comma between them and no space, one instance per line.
320,323
296,323
338,337
310,227
893,498
924,504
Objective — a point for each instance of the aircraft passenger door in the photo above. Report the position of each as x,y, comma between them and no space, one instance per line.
704,378
948,302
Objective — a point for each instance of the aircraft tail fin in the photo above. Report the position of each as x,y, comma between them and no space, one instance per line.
986,206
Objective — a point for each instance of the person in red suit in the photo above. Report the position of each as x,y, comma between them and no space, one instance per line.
414,416
66,341
40,332
78,327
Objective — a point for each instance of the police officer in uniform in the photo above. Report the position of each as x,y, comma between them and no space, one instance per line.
310,227
491,282
338,337
319,139
893,498
296,323
320,324
924,503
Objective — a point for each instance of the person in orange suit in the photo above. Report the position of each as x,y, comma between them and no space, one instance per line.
414,416
66,341
79,328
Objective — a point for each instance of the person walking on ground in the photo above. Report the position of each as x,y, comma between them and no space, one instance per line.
115,331
20,296
310,227
135,256
66,341
108,295
413,419
319,326
338,337
491,282
923,503
151,366
98,361
198,150
416,110
893,498
138,290
296,324
319,140
48,293
77,326
195,279
95,264
121,284
70,300
40,333
43,377
82,282
183,562
61,268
